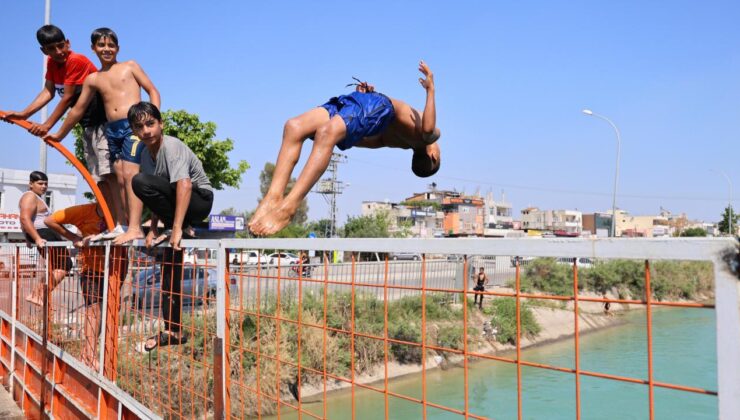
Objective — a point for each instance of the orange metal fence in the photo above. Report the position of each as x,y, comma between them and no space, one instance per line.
256,328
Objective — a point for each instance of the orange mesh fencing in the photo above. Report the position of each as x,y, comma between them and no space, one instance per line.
297,331
169,292
243,332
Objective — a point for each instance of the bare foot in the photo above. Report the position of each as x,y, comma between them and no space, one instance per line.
35,296
129,236
274,221
265,207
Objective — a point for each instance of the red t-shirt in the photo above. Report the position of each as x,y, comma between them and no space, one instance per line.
73,72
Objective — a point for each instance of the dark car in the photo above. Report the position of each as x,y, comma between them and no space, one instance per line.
198,284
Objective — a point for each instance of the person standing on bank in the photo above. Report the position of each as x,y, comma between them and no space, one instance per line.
174,186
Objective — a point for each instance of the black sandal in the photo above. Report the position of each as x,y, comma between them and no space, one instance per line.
165,339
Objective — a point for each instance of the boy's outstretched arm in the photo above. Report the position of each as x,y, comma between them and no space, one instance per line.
59,110
429,130
76,113
143,80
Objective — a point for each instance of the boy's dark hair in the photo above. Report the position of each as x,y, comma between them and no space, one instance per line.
49,34
422,165
37,176
103,33
139,111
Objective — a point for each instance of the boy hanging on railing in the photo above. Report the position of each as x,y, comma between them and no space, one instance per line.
88,219
364,118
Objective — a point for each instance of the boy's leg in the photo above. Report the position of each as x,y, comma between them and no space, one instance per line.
120,191
135,206
295,132
327,136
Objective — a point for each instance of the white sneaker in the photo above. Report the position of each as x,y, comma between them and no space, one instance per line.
113,234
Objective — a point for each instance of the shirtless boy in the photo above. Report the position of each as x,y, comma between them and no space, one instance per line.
119,84
33,212
363,118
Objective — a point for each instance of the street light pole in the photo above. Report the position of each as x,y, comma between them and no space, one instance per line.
616,172
730,209
42,151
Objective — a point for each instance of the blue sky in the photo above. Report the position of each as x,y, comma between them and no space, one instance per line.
512,78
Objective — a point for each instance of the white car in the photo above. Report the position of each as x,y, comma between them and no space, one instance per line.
284,258
248,257
581,262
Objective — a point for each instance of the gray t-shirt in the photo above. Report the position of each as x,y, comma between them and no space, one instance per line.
175,161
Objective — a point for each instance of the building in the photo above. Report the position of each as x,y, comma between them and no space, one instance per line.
598,224
13,183
497,217
559,222
424,220
463,215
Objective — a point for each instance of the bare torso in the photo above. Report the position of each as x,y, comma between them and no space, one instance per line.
404,132
119,89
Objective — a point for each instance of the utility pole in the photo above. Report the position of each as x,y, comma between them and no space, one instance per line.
330,187
42,151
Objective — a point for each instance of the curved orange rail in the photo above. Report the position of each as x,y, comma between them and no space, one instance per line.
77,164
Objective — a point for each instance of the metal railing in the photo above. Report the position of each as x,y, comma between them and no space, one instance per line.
264,339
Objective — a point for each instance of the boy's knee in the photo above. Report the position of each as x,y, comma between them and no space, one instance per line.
292,126
326,135
138,183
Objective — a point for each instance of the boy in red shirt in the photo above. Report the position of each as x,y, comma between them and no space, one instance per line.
88,219
65,73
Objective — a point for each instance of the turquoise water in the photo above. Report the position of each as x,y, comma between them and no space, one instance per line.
684,353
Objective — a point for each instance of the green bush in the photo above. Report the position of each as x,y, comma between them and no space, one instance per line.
546,275
450,336
503,311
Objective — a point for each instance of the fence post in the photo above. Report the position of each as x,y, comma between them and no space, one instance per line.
118,269
221,363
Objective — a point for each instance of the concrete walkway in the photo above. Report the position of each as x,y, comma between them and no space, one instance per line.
8,409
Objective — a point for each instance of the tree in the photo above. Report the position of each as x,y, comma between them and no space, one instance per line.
373,226
694,232
301,214
200,138
729,214
319,227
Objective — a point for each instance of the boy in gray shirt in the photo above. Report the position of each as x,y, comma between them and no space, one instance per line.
173,185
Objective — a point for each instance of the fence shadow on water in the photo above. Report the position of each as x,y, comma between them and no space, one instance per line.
240,334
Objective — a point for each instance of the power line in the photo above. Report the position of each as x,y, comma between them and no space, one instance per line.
552,190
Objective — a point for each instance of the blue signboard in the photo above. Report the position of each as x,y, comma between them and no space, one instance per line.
225,223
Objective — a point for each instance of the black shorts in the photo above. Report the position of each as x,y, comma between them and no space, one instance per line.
92,284
59,256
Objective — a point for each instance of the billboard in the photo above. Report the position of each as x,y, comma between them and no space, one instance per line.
10,222
225,223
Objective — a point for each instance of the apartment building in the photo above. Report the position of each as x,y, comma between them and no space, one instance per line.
559,222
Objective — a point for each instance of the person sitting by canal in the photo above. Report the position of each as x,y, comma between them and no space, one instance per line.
174,186
481,281
89,221
33,211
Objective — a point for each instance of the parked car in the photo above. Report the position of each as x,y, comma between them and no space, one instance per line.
248,257
284,258
581,262
414,256
198,284
522,260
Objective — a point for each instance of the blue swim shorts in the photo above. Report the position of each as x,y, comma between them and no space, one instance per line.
364,114
122,143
